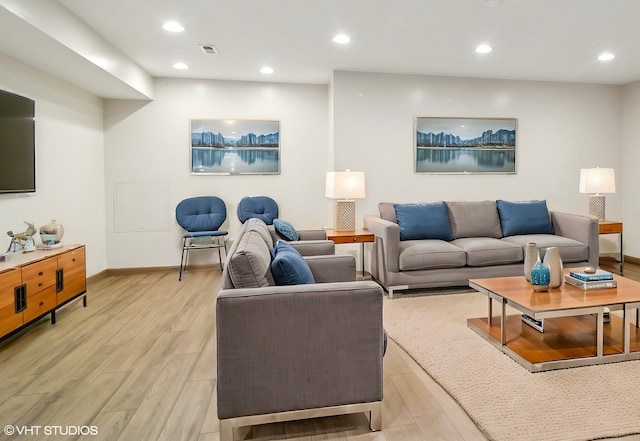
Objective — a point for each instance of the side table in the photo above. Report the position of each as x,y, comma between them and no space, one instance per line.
351,236
613,227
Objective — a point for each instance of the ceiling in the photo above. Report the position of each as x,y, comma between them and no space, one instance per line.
546,40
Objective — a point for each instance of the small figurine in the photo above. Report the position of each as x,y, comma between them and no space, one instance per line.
24,240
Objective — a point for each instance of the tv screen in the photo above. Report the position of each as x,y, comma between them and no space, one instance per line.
17,144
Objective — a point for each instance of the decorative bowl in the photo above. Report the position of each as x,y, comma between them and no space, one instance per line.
48,239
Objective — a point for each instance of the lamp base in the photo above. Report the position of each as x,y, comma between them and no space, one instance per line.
345,215
596,206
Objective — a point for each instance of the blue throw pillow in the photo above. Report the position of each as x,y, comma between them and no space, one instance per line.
285,229
530,217
423,221
288,266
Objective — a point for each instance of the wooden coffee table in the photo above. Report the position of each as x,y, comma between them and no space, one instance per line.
574,330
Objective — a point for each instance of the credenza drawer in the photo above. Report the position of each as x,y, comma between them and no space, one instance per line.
39,275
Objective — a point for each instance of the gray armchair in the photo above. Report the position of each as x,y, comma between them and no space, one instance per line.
298,351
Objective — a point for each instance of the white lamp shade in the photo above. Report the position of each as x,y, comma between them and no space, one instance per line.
597,180
345,185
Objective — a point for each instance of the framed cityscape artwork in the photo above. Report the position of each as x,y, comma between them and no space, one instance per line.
234,147
465,145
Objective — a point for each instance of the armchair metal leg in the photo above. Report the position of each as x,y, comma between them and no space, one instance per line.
183,262
219,246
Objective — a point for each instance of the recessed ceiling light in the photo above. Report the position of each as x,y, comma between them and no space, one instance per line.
180,66
484,49
267,70
606,56
341,39
173,26
491,3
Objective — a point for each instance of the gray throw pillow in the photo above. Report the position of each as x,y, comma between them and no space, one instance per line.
474,219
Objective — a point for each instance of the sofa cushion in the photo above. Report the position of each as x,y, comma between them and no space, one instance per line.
570,250
250,264
388,211
423,221
285,229
474,219
530,217
289,267
484,251
430,254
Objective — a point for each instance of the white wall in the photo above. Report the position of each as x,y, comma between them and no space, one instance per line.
562,128
361,121
69,162
629,180
147,147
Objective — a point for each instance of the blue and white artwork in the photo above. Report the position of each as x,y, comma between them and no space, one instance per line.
233,147
465,145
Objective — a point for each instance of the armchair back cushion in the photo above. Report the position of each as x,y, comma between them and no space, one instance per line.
249,259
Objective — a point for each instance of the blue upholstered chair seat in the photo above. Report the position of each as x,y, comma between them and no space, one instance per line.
205,233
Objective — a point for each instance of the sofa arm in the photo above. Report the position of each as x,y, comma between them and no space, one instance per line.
578,227
285,348
387,241
314,247
312,234
325,269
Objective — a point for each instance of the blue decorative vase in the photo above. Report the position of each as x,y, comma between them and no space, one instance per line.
540,277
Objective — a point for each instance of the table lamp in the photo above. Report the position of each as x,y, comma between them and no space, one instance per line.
344,187
596,181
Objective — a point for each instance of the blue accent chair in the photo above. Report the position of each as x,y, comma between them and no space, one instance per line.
201,218
262,207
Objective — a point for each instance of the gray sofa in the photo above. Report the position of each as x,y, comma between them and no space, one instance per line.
296,351
481,243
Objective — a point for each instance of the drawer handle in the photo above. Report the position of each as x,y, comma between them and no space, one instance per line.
39,284
41,303
73,260
40,273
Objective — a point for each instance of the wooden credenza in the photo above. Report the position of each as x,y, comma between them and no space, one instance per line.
35,284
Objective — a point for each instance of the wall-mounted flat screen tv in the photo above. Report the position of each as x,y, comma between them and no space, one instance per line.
17,144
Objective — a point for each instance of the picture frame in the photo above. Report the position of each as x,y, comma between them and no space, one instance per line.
465,145
234,147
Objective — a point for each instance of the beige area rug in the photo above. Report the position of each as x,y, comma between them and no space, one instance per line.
505,400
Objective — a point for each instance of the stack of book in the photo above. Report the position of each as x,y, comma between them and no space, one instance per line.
600,279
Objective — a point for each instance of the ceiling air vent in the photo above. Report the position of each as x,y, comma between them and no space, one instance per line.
209,49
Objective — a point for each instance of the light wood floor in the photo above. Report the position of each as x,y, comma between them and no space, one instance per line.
139,364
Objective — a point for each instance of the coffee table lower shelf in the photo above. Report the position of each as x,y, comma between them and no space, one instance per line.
565,342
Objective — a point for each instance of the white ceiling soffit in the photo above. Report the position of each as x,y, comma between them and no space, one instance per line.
533,40
47,36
